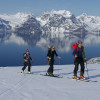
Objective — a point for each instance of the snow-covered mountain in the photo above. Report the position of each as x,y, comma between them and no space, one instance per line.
30,31
59,28
49,26
23,25
58,23
16,19
90,23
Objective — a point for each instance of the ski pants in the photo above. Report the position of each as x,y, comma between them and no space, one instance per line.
78,61
51,63
27,64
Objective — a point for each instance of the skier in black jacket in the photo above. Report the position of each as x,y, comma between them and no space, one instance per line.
50,57
27,62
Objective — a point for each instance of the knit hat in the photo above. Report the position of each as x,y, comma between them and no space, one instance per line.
80,42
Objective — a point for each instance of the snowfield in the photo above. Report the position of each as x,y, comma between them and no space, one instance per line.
18,86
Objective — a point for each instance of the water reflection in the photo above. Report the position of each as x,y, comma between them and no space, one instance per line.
13,46
15,39
62,44
92,39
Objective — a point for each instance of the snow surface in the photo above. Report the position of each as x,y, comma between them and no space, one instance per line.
17,86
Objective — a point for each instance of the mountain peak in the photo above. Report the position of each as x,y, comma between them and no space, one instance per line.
22,14
64,13
84,14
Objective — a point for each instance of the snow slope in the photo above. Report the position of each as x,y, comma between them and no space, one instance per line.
17,86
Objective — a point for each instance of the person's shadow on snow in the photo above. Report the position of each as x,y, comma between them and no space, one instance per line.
37,72
77,72
95,76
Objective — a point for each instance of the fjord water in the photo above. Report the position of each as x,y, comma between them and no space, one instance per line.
11,52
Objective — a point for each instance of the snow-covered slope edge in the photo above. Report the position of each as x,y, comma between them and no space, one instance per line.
94,60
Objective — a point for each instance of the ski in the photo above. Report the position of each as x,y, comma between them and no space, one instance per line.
32,73
91,80
78,79
72,78
56,76
88,80
84,80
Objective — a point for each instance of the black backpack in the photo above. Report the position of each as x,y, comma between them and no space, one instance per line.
24,55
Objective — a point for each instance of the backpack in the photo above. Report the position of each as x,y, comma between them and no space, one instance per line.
75,45
49,49
24,55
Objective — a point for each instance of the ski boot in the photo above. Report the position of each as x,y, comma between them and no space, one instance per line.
75,77
50,74
82,77
29,72
22,71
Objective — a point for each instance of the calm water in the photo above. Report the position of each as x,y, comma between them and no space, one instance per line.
11,52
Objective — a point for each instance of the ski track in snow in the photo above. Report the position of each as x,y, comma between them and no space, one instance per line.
18,86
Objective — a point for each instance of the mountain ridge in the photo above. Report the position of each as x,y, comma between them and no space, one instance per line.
61,19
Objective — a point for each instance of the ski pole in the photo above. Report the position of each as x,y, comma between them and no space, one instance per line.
48,62
59,61
87,70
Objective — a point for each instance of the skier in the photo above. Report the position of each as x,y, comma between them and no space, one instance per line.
27,62
50,57
78,53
